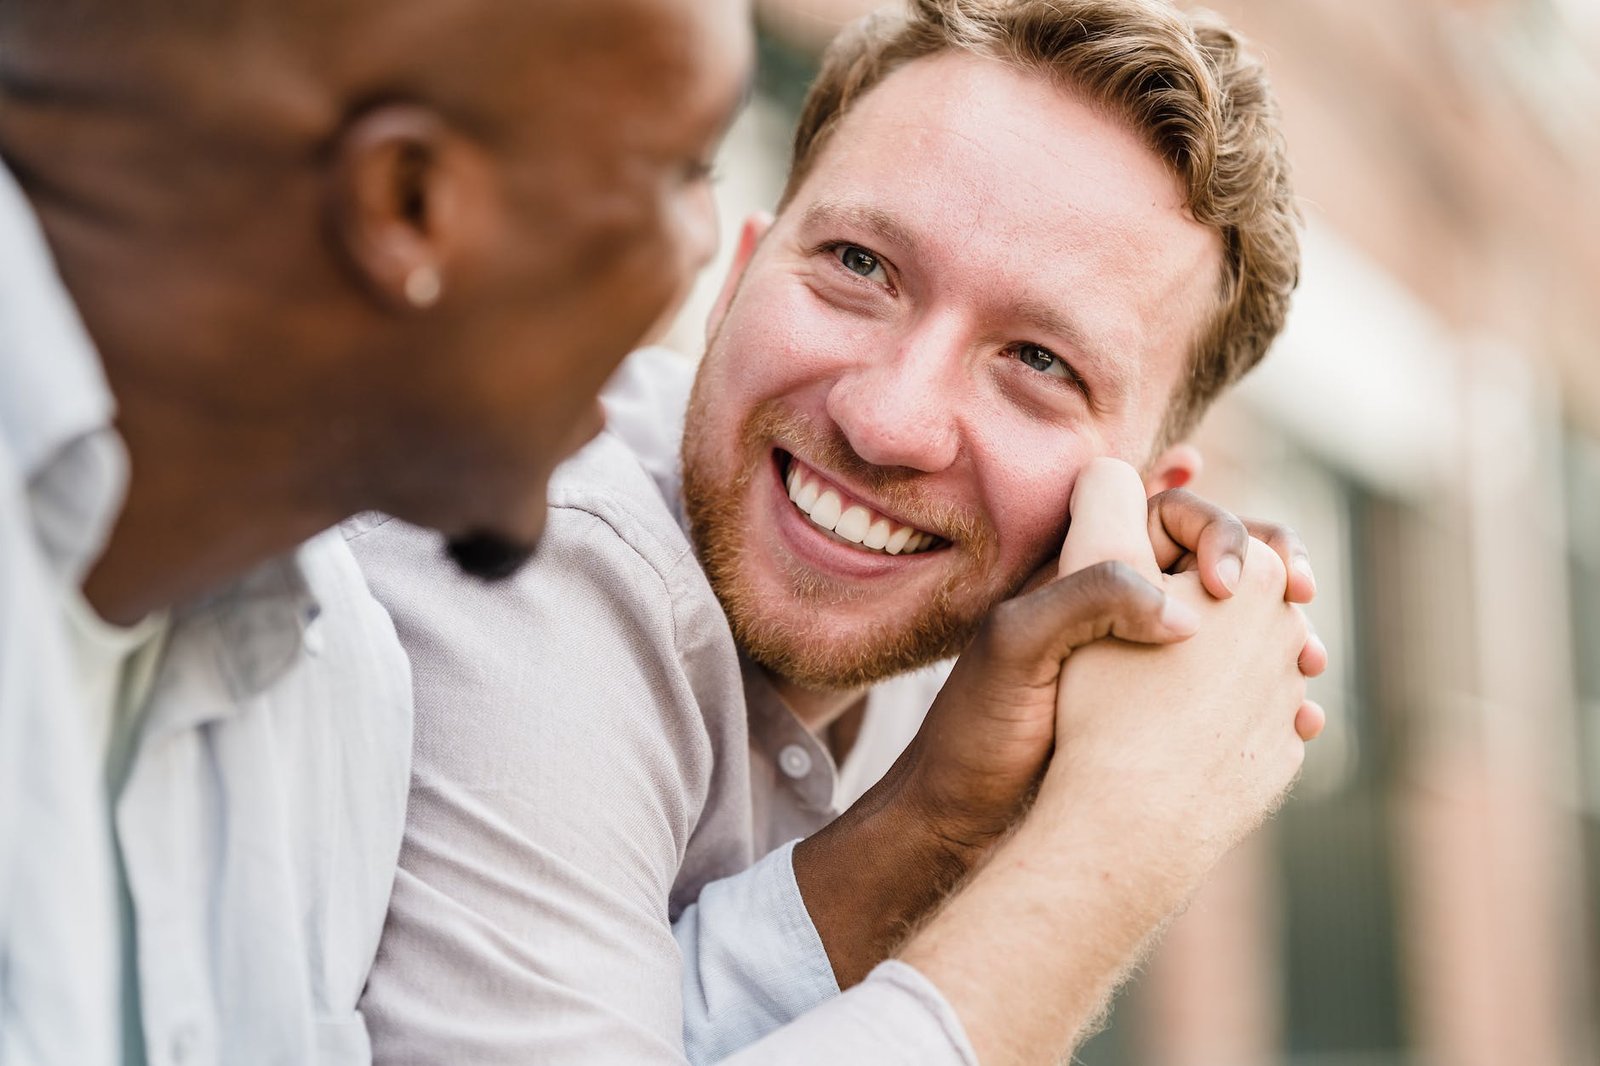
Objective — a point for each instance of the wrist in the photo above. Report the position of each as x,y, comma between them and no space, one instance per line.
872,875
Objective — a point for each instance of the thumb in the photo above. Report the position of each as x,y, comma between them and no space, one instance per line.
1033,633
1110,520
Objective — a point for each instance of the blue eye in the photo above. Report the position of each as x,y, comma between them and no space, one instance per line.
859,261
1043,360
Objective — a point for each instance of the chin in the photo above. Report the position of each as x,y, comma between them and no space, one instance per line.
489,556
826,660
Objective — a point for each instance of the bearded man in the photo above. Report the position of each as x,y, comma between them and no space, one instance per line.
1018,238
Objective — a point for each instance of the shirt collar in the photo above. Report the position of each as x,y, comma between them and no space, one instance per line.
55,406
774,727
262,621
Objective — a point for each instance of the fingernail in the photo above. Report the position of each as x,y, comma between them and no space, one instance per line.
1302,566
1179,616
1228,572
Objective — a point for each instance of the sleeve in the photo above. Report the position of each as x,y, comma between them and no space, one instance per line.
896,1017
752,960
561,762
759,990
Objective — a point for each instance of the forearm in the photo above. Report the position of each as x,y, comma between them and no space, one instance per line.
1030,951
872,875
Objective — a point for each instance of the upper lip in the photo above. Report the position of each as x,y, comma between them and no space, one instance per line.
858,495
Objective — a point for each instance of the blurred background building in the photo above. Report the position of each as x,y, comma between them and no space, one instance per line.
1430,422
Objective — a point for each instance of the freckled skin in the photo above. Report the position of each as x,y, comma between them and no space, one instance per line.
1016,214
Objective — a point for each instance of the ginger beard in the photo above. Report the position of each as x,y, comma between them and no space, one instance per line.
819,652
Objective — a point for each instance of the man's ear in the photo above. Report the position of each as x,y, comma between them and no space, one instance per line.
1173,469
755,227
406,200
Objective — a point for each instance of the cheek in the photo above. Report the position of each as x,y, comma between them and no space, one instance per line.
773,346
1027,484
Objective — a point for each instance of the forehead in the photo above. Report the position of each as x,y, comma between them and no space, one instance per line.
1017,192
648,75
705,49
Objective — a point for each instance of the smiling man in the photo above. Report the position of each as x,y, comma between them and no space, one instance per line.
995,279
1021,240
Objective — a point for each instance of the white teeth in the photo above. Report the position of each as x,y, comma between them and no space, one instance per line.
826,511
854,523
806,498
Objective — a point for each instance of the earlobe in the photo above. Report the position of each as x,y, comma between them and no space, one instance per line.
1173,469
750,234
391,210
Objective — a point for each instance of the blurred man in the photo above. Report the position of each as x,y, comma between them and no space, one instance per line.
1017,237
264,264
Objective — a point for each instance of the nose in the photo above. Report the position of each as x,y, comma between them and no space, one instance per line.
900,408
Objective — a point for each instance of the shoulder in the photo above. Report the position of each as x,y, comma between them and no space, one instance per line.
609,641
611,541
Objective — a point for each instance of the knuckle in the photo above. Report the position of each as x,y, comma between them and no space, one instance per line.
1174,498
1113,580
1263,568
1003,623
1274,533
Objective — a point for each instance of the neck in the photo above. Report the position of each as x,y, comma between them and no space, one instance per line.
227,429
230,444
817,709
207,501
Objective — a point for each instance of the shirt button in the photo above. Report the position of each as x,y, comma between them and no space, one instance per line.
794,761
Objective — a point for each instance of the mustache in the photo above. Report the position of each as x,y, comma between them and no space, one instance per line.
902,490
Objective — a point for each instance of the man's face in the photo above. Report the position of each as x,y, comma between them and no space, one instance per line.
601,215
982,283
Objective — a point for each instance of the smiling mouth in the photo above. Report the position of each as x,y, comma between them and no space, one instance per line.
849,520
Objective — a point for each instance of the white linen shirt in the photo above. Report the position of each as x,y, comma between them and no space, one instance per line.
62,477
261,816
261,820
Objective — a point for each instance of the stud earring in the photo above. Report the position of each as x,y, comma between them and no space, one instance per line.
423,287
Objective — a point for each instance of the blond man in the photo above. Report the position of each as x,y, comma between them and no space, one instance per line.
1023,245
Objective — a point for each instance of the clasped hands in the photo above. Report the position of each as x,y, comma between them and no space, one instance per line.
1156,677
1168,644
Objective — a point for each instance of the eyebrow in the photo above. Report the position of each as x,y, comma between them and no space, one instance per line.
826,213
